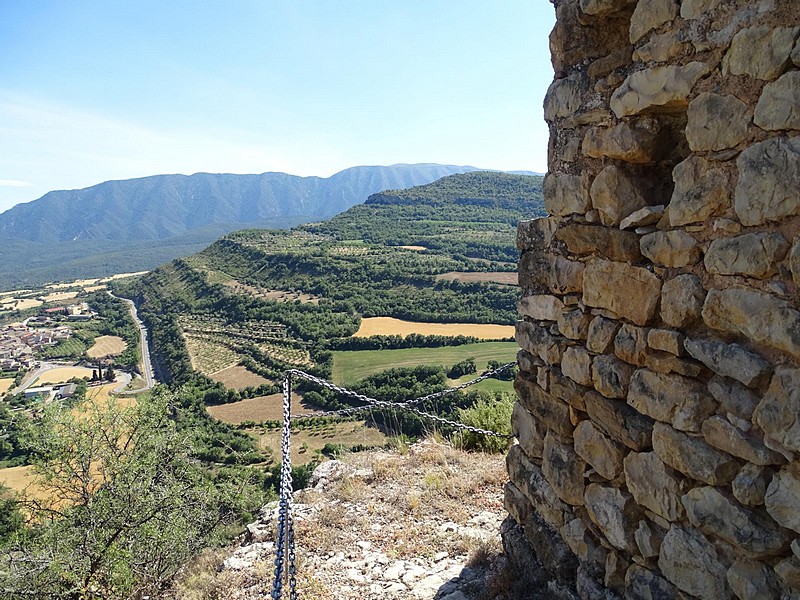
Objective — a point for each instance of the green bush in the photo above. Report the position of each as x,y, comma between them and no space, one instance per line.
492,412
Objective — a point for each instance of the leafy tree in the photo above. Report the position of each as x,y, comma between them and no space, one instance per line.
110,374
11,520
461,368
125,505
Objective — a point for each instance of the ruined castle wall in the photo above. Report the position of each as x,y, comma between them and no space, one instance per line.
658,412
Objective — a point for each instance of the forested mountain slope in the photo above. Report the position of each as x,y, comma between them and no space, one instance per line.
137,224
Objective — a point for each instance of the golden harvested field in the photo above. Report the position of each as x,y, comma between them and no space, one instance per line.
94,288
417,248
503,277
238,377
22,303
56,296
77,283
14,292
19,478
262,408
107,345
5,384
392,326
63,374
123,276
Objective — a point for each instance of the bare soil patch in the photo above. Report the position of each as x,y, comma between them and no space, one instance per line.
107,345
502,277
391,326
238,377
5,385
261,408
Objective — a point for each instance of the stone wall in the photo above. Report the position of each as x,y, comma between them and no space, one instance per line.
658,412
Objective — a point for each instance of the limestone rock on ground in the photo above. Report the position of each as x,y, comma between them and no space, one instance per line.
385,525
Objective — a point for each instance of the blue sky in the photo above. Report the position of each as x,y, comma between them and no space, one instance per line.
98,90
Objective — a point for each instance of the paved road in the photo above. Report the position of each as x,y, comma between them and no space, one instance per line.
147,366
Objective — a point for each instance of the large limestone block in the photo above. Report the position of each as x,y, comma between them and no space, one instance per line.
769,177
600,8
660,48
689,561
649,538
601,334
566,389
565,96
779,104
534,272
541,307
535,234
670,248
762,52
760,317
529,478
564,470
666,340
619,421
603,241
611,376
730,360
733,397
601,452
631,292
615,194
752,580
577,365
750,485
718,515
528,431
721,434
716,122
751,254
654,485
657,89
789,570
651,15
566,194
540,342
683,402
574,324
564,276
615,513
649,215
584,544
778,413
550,411
644,584
622,142
682,300
693,457
701,191
783,497
695,9
630,344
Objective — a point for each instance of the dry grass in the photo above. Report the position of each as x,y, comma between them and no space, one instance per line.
238,377
502,277
107,345
391,326
94,288
63,374
22,303
417,248
5,385
123,276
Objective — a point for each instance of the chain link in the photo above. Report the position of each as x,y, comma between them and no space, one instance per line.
285,570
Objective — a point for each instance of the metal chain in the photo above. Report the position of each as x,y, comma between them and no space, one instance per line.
285,570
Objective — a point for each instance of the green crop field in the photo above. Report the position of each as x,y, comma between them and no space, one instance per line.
350,366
